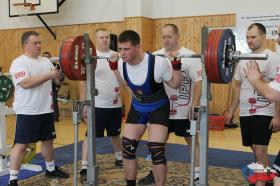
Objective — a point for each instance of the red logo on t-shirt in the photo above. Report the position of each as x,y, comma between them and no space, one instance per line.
277,78
19,74
199,73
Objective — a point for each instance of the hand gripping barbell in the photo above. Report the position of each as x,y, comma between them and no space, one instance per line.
219,56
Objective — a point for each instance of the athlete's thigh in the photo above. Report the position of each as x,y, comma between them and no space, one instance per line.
134,131
157,133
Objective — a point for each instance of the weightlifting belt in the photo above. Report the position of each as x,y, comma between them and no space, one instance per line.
160,94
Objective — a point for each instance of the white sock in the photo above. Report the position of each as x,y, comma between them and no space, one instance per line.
196,172
50,166
84,164
13,174
118,155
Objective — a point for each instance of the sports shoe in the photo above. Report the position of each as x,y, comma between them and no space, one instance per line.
13,183
196,176
83,173
119,163
149,179
57,173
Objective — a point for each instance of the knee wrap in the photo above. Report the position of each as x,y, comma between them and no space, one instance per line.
129,147
157,152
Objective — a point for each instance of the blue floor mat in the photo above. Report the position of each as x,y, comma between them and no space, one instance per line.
174,152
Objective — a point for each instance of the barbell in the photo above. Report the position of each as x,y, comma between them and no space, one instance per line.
219,56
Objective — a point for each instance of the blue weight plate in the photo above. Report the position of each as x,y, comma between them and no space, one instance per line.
225,67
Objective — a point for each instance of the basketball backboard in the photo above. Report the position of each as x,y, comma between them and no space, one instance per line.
32,7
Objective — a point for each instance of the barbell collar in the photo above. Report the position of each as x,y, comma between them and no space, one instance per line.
54,59
100,57
181,56
237,55
190,56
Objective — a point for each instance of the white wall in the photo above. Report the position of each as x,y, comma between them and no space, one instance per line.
178,8
91,11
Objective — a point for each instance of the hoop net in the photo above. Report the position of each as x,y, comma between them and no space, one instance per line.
24,9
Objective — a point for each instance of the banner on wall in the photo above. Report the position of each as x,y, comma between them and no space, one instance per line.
243,20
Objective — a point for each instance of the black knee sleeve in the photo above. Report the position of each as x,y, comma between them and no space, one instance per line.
157,152
129,147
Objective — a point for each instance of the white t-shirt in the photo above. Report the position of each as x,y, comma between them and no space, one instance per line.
138,73
181,99
275,84
36,100
106,84
251,101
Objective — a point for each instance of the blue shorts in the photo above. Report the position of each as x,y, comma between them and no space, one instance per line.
33,128
159,116
109,119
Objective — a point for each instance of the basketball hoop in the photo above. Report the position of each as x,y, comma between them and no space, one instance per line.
24,9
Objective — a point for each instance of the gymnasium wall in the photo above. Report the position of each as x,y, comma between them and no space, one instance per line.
148,28
93,11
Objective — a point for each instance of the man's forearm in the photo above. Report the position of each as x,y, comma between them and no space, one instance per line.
265,90
119,78
196,93
176,80
82,90
34,81
234,104
235,99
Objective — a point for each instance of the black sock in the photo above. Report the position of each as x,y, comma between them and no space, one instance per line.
131,182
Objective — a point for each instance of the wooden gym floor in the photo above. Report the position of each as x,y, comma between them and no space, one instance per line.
228,139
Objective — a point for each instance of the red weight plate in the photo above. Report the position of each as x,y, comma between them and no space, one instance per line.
93,53
72,57
79,67
60,59
75,59
214,57
211,48
64,59
207,52
207,56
